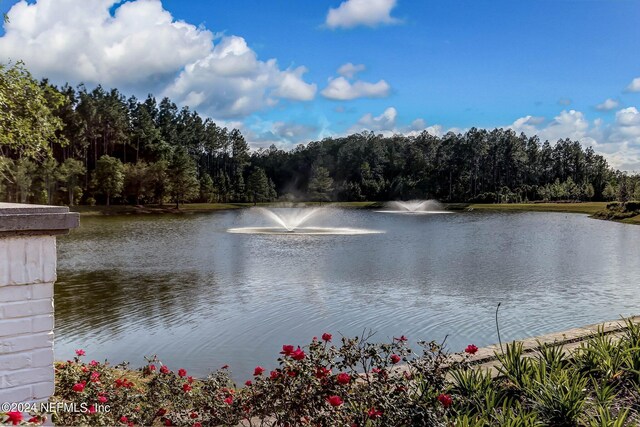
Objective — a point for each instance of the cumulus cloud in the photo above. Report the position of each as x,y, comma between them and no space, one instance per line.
281,134
349,70
141,47
387,124
342,89
618,141
634,86
608,105
352,13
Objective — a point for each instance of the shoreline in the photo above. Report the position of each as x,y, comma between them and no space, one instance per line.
588,208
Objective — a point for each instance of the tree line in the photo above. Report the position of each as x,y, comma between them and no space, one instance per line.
66,145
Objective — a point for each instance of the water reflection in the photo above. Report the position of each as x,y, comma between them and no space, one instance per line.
184,288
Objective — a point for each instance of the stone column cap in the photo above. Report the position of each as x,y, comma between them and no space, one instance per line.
24,219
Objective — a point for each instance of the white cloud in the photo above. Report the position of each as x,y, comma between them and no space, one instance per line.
352,13
387,124
608,105
634,86
349,70
141,47
342,89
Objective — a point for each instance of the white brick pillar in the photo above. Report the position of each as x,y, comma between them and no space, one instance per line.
27,274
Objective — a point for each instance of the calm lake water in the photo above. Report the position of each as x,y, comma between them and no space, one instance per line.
199,297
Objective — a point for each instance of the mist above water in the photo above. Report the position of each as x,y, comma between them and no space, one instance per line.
415,207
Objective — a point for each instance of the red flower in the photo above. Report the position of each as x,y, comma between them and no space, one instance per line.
258,371
335,400
274,374
84,369
152,368
326,337
161,412
373,413
15,417
102,399
197,425
80,352
322,372
445,399
34,420
395,358
248,383
287,350
167,422
79,388
190,380
298,354
93,363
343,378
164,369
186,387
228,400
182,372
375,370
471,349
95,377
124,419
193,415
92,409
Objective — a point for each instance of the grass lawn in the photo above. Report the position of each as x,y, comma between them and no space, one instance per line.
585,207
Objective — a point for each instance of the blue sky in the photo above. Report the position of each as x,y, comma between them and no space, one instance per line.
557,68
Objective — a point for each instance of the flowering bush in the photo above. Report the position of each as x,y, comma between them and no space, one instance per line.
363,384
355,383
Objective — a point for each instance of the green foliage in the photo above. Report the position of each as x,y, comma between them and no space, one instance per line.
258,186
108,178
320,184
27,123
181,177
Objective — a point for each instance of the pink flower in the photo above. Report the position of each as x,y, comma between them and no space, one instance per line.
93,363
102,399
445,400
124,419
395,358
15,417
80,352
322,372
335,401
298,354
95,377
401,339
79,388
343,378
471,349
228,400
258,371
182,372
287,350
326,337
92,409
373,413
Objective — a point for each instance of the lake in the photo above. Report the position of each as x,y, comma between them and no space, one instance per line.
182,287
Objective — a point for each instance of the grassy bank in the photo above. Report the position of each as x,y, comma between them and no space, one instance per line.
589,208
199,207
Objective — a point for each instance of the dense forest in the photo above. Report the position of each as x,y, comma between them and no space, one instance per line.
66,145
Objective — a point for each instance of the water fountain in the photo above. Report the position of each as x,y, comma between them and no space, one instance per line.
416,207
290,222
